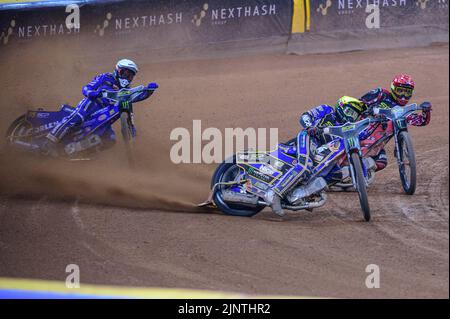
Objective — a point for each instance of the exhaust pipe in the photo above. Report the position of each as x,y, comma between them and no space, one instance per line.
310,205
314,186
238,198
252,200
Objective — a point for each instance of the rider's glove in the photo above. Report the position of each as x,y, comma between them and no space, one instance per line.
105,101
380,117
426,106
313,131
94,94
383,119
370,111
152,86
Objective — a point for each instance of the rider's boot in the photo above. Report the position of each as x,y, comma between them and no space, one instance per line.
274,201
276,206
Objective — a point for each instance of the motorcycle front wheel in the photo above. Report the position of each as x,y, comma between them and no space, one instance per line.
128,138
407,163
360,185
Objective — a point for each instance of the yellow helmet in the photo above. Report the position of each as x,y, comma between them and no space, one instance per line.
349,109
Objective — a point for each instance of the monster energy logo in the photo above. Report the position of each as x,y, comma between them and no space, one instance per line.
125,105
351,143
401,123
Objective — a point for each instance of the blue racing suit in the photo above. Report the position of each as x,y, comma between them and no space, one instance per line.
320,116
90,104
323,116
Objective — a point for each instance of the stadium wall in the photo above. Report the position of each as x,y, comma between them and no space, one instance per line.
344,25
177,29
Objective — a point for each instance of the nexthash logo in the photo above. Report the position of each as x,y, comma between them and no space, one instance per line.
348,7
324,8
197,20
222,15
422,4
4,37
101,29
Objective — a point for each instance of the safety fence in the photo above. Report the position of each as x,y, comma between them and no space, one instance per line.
187,26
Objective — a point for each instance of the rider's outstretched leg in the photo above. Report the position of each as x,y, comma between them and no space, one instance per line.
60,130
74,119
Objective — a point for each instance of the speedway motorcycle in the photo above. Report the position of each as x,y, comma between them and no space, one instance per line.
242,185
29,130
395,128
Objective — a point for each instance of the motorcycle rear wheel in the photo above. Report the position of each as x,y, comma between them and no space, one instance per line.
17,130
226,172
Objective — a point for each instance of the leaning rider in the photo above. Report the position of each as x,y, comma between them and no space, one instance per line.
122,77
402,89
347,109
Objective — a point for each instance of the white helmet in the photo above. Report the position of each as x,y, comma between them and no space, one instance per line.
125,72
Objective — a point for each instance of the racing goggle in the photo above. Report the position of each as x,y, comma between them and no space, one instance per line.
126,74
350,113
403,91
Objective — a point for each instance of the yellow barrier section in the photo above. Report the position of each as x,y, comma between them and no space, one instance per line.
34,285
301,18
308,15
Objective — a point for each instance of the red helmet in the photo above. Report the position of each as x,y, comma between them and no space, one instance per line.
402,88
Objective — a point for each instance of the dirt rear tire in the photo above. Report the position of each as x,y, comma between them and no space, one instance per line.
407,168
225,173
18,123
361,185
17,131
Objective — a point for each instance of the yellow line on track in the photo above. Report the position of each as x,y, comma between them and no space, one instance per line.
34,285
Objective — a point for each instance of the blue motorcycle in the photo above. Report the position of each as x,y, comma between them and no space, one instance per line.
243,184
29,130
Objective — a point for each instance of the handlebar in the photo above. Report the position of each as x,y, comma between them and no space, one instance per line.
128,94
349,128
398,111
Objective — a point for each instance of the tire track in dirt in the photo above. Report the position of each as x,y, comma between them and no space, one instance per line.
142,228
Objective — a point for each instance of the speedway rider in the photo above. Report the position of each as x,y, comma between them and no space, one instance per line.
402,89
122,77
347,109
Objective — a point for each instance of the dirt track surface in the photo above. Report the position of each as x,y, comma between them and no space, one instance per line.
141,228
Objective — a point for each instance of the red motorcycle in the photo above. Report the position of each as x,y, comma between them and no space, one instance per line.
380,134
